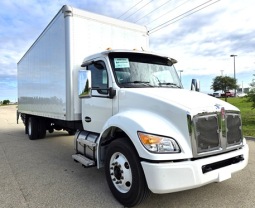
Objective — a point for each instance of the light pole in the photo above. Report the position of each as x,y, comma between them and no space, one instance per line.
234,69
181,74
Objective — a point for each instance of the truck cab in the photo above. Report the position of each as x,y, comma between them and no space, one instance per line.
127,108
145,124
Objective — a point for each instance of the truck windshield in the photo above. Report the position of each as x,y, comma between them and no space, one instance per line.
143,70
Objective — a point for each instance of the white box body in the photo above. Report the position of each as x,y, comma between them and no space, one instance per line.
48,72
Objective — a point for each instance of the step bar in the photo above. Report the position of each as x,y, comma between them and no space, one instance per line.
83,160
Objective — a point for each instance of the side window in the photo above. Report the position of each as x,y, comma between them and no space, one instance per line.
99,76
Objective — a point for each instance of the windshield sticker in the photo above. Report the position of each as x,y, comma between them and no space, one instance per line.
121,62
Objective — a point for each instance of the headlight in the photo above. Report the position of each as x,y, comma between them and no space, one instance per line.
156,143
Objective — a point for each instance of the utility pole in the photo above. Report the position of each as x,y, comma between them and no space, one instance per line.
234,69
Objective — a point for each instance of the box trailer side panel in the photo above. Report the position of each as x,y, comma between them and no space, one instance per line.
48,72
42,74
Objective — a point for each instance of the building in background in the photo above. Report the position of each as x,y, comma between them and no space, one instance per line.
243,90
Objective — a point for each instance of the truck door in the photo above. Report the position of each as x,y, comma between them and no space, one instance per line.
97,109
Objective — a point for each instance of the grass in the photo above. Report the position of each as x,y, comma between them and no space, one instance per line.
248,115
6,104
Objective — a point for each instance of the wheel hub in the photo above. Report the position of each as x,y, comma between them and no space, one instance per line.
117,173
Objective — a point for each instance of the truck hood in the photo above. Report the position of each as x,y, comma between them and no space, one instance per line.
164,111
187,99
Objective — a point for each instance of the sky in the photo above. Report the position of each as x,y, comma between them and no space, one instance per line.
201,42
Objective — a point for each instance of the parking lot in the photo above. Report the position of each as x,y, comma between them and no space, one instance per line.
41,173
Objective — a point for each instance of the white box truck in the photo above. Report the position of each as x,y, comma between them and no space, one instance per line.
94,77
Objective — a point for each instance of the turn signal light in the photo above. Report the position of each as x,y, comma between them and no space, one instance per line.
159,144
149,139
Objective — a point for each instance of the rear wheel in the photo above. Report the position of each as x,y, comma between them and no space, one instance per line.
32,128
41,128
124,173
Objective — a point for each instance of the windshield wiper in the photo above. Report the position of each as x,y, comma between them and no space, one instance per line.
165,83
169,83
138,82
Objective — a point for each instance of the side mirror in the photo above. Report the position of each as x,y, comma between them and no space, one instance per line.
195,85
84,84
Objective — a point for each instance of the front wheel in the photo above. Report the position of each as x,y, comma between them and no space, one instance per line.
124,173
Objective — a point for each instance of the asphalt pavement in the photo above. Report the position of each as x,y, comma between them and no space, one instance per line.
41,173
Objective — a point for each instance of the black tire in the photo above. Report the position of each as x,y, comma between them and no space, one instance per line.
41,128
32,128
123,164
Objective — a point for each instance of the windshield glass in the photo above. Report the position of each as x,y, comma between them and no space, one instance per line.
143,70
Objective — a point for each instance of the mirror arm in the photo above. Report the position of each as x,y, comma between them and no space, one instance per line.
112,92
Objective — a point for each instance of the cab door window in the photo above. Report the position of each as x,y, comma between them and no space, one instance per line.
99,76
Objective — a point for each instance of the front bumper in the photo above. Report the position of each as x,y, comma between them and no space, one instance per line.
178,176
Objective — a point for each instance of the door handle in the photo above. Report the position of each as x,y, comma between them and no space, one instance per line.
87,119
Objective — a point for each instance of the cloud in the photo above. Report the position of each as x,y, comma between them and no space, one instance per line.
8,87
202,43
8,81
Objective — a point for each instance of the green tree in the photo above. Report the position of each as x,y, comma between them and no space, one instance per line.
6,102
251,94
86,90
224,83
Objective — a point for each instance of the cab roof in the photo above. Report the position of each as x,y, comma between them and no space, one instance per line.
88,59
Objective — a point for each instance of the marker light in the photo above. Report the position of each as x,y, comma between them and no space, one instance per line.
158,144
109,49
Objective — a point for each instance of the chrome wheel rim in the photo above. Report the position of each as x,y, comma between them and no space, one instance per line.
120,172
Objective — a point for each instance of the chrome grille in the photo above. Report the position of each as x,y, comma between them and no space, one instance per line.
215,132
234,130
207,132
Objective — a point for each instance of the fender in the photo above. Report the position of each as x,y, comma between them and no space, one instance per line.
133,120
